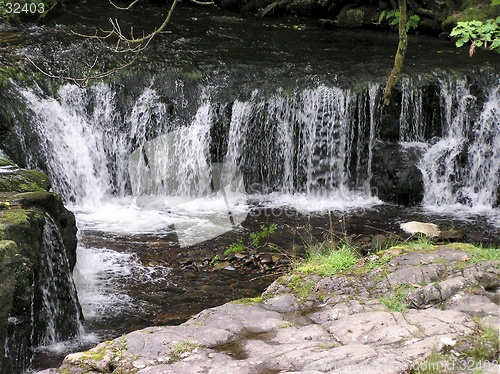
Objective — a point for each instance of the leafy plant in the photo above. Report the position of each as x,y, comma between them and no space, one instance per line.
392,17
215,260
255,240
478,33
264,233
237,247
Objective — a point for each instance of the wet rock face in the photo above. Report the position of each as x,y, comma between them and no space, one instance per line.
396,176
343,321
25,204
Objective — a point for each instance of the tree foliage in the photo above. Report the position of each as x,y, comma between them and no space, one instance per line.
478,33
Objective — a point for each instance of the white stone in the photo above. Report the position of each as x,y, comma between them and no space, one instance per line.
414,227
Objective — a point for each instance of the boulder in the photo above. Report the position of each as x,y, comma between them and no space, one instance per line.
395,175
414,227
37,233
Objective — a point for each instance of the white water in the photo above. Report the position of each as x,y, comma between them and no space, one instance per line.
120,177
462,169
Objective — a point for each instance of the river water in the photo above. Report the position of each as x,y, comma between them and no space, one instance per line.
227,123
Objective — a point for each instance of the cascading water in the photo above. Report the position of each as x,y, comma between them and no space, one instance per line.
137,169
59,318
56,320
462,169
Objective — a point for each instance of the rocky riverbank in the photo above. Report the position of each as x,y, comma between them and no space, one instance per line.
407,309
37,298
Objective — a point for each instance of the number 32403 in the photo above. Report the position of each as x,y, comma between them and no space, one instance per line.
17,8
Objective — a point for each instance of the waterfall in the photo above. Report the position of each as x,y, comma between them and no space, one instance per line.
315,141
59,316
307,143
462,169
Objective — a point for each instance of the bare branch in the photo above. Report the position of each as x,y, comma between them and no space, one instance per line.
87,77
127,8
202,2
124,45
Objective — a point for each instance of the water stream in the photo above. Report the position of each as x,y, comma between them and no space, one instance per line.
177,160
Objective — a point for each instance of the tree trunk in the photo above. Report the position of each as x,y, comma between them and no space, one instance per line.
400,54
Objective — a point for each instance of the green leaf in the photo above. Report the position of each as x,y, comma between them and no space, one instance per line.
495,44
381,17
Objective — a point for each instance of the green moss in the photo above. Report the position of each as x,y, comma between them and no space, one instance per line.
14,73
287,324
8,249
38,177
473,10
14,217
194,75
395,302
5,162
249,300
183,349
301,286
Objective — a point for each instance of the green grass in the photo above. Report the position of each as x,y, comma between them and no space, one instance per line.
381,261
327,260
396,302
433,365
484,347
287,324
249,300
480,253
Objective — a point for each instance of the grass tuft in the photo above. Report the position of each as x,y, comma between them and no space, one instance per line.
327,260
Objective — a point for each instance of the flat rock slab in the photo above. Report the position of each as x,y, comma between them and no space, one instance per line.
347,329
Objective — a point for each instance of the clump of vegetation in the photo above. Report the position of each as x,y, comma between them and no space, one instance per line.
397,301
480,253
183,349
258,240
484,347
392,18
478,33
328,259
287,324
480,348
249,300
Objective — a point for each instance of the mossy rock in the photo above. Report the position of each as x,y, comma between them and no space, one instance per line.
5,162
356,17
475,10
22,180
8,249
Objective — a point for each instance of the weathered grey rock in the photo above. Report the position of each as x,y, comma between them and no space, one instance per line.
342,326
282,303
